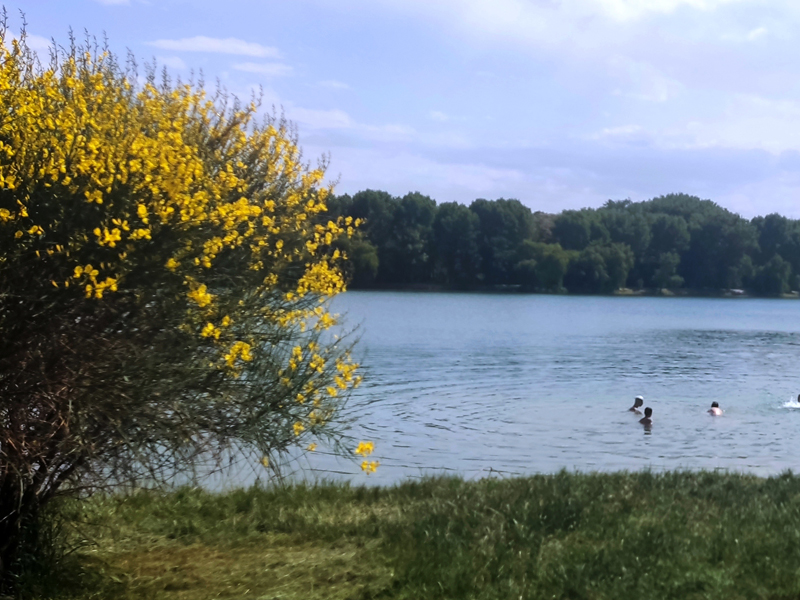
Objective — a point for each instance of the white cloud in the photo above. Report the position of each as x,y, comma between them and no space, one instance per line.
38,43
521,12
364,133
644,81
269,69
320,119
747,122
202,43
438,115
399,172
756,33
625,10
741,34
334,85
173,62
623,132
387,133
541,23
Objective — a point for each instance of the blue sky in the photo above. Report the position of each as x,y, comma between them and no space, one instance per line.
559,103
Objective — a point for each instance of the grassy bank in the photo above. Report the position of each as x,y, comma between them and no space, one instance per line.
626,535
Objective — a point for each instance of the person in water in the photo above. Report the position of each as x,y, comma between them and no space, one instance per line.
715,410
647,421
637,404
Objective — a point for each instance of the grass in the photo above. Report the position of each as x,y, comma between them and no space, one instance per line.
578,536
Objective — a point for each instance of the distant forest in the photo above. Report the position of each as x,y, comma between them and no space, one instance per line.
670,242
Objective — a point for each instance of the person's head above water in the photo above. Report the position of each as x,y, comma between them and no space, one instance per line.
715,405
638,401
648,412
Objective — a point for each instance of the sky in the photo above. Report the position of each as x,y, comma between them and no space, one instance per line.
559,103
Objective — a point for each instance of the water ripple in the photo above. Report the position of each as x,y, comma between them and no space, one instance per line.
523,384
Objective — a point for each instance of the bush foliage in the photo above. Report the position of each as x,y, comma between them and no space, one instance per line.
165,259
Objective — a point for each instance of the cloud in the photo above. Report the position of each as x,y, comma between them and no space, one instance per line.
623,133
438,115
37,43
269,69
625,10
644,81
202,43
337,119
334,85
399,172
521,12
320,119
113,2
756,33
747,121
173,62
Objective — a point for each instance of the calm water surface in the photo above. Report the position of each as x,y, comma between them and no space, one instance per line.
472,383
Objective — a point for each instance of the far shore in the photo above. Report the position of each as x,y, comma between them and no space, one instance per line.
622,292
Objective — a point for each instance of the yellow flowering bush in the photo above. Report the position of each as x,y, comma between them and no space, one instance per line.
165,265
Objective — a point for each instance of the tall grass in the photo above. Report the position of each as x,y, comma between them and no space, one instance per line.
624,535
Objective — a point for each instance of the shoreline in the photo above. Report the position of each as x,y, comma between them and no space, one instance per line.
620,293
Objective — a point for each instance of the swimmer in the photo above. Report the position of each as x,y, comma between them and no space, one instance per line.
715,410
637,404
647,421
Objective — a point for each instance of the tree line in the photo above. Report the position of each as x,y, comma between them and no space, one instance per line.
669,242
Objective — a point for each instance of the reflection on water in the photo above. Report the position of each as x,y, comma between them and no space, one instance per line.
524,384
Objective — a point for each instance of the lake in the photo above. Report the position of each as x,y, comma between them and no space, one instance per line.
518,384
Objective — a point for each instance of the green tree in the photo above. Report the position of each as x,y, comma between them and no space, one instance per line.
619,262
406,252
773,278
363,261
504,225
666,275
626,226
716,251
587,273
455,244
573,229
543,266
599,268
376,208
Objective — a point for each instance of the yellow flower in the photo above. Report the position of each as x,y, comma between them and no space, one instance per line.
239,350
201,296
365,448
298,428
311,447
209,330
265,462
370,466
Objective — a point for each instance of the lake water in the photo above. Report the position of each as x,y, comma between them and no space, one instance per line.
520,384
